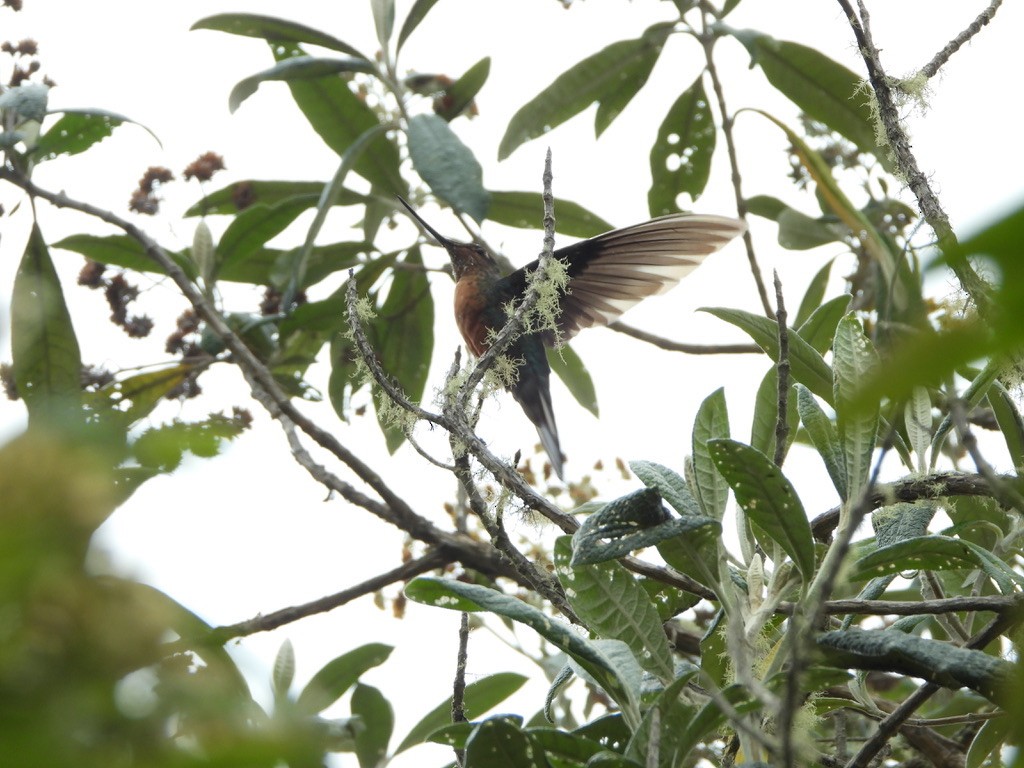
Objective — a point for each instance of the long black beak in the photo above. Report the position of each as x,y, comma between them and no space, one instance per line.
441,239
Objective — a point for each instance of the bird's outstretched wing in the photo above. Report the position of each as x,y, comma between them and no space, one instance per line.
610,273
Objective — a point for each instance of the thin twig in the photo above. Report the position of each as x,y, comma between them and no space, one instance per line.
900,146
930,69
459,685
934,486
680,346
707,39
265,622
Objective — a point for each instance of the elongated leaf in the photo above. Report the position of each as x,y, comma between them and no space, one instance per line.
383,20
934,553
46,357
526,210
819,329
340,118
417,13
881,250
599,664
403,335
252,228
813,298
120,251
610,78
461,93
823,88
298,68
379,721
824,437
274,30
127,401
568,366
479,697
447,165
712,421
766,414
990,737
767,498
283,671
932,660
806,363
614,605
338,675
79,129
564,744
1011,426
917,417
239,195
681,154
854,361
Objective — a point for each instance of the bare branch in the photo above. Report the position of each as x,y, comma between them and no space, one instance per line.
930,69
679,346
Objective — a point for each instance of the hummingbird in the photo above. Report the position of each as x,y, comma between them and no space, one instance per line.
607,274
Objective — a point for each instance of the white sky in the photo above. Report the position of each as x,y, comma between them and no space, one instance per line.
249,532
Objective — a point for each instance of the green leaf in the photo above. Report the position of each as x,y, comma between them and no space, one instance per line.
854,361
819,329
901,521
402,334
340,118
768,499
479,697
498,743
129,400
990,737
1004,407
447,165
682,152
824,89
120,251
934,553
274,30
562,744
526,211
766,414
79,129
251,229
241,194
378,718
569,367
614,605
602,662
806,363
663,725
672,486
632,522
813,298
712,491
46,358
917,418
932,660
298,68
338,675
824,437
610,78
461,93
383,20
417,13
